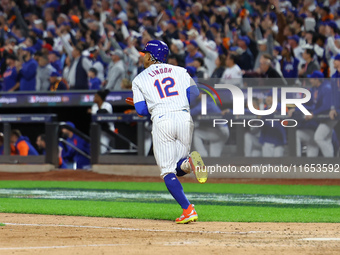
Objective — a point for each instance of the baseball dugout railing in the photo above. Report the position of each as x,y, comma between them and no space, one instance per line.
95,132
51,131
237,158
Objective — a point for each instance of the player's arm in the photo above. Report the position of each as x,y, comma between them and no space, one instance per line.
139,101
23,148
326,102
192,91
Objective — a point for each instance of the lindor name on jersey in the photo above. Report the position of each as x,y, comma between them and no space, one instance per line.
160,71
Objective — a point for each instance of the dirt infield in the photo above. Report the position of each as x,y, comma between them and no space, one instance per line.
79,175
42,234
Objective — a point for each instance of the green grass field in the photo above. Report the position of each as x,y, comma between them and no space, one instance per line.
213,202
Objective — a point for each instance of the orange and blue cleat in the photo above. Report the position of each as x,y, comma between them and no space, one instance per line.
189,215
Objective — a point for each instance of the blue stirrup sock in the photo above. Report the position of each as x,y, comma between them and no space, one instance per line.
176,190
179,171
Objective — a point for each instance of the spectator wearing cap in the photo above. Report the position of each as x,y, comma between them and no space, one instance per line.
171,31
322,99
116,69
56,82
27,70
220,63
71,155
96,62
293,42
177,50
222,14
192,72
94,82
264,47
289,64
37,34
11,74
215,29
183,35
192,49
44,72
54,59
232,73
246,59
310,64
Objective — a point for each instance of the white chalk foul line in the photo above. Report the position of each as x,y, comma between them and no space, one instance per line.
321,239
63,246
140,229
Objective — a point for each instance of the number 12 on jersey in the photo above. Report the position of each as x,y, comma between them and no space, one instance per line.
169,83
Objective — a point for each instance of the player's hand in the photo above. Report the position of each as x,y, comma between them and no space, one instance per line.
309,117
225,111
290,112
333,114
129,101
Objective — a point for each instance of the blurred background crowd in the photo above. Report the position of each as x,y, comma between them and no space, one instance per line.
87,44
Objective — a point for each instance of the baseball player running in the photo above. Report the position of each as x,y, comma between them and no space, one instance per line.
164,91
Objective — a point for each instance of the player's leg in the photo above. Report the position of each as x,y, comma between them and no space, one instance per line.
200,135
188,162
105,140
184,130
301,138
268,150
256,147
323,138
248,144
165,151
278,151
218,138
312,147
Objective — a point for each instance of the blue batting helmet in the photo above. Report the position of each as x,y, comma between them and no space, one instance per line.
158,49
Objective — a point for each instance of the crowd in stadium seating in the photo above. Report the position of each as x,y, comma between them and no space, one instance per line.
87,44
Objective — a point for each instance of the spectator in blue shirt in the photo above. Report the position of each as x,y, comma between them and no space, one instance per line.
28,70
192,49
289,64
69,154
10,75
94,81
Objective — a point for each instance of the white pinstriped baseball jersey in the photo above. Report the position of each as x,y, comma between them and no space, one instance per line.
163,87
